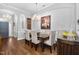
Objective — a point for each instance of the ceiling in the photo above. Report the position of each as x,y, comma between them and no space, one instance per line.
31,7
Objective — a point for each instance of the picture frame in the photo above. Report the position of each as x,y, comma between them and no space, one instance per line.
46,22
28,23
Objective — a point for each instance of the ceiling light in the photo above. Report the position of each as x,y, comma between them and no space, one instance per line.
35,16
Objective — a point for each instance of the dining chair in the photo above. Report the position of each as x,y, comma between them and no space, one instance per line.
35,41
28,37
51,41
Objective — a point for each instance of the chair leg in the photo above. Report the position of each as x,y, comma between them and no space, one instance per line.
42,47
25,41
28,42
54,46
31,45
50,49
36,47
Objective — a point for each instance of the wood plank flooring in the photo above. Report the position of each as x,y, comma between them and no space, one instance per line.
13,46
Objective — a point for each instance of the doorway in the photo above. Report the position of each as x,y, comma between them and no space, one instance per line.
4,29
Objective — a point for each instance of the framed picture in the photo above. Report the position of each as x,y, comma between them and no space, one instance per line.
45,22
28,23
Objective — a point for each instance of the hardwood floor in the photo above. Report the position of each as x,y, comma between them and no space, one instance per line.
13,46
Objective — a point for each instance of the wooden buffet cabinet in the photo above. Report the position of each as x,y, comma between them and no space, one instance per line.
1,43
67,47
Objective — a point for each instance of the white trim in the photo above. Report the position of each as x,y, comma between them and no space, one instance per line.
12,7
7,11
20,10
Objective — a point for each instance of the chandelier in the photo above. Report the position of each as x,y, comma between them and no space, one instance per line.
35,16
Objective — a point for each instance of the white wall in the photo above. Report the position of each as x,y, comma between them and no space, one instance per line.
21,29
77,16
20,25
62,17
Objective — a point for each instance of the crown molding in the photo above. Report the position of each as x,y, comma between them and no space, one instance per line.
17,9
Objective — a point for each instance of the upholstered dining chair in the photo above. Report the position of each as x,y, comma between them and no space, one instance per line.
35,41
51,40
28,37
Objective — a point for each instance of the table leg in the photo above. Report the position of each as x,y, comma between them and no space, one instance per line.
42,46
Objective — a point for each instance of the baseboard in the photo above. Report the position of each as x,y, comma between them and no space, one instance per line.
20,38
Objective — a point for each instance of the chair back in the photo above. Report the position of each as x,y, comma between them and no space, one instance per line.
34,37
28,35
51,39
